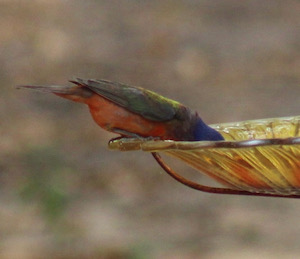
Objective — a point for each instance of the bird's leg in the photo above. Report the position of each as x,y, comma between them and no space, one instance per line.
126,134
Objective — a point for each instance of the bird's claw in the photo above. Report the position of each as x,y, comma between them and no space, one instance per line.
126,134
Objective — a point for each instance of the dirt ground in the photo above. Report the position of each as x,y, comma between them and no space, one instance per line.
65,195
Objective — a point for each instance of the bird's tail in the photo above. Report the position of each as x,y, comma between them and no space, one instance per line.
76,93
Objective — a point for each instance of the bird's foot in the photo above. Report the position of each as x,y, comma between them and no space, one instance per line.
126,134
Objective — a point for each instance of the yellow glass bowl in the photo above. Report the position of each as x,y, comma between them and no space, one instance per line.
259,156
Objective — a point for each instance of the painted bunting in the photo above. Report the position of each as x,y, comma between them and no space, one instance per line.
134,111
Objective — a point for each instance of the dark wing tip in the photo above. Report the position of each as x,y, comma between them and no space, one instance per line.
48,89
78,81
82,82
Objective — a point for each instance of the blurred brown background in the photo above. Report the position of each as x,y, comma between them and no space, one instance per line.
65,195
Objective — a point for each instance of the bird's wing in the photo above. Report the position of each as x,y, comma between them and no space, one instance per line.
137,100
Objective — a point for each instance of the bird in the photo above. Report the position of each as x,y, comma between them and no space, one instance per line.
134,112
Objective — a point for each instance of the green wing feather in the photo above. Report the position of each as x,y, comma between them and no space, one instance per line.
137,100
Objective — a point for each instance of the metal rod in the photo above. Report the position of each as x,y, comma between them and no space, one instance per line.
209,189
